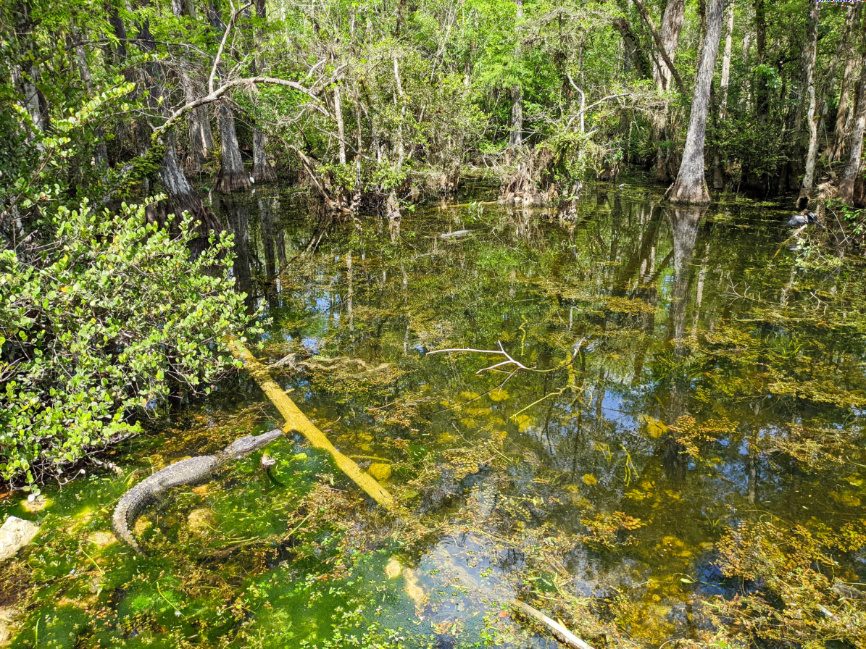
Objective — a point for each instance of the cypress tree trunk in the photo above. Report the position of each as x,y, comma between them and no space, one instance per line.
34,101
690,185
843,118
197,150
761,90
516,136
25,73
855,143
401,150
181,195
807,61
746,94
263,172
811,118
206,130
718,175
232,177
634,53
812,155
672,25
830,76
726,63
196,118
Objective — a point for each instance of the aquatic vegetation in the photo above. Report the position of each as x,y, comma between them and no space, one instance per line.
606,530
796,587
623,486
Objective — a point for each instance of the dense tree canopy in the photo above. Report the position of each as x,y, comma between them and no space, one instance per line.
366,98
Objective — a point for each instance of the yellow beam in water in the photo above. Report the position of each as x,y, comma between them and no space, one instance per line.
297,421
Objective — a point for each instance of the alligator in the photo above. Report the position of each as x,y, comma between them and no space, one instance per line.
193,470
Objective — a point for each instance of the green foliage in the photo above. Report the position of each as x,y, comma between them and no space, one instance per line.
576,156
109,320
44,180
386,177
853,219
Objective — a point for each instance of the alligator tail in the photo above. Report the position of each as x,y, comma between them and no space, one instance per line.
125,514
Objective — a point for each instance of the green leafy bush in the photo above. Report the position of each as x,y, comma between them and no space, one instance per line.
105,322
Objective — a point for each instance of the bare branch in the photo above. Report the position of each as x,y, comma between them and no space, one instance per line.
604,99
584,109
500,352
219,54
582,101
248,81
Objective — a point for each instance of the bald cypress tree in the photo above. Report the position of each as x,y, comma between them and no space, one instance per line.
690,185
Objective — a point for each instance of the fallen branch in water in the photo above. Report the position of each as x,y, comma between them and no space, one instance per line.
297,421
558,630
562,634
510,360
501,351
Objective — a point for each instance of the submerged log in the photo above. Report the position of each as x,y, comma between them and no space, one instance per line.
455,234
297,421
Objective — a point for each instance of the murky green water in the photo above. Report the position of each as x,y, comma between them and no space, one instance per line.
669,376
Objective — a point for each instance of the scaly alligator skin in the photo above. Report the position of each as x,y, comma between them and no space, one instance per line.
193,470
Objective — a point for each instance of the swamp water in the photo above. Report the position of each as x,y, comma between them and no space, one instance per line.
683,432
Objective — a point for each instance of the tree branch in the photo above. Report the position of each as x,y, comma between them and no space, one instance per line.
247,81
582,111
658,40
219,54
501,352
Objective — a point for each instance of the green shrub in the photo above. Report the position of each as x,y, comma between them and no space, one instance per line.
111,316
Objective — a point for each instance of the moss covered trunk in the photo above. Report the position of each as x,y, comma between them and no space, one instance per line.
263,172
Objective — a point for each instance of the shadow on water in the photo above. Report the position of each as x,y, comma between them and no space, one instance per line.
675,370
